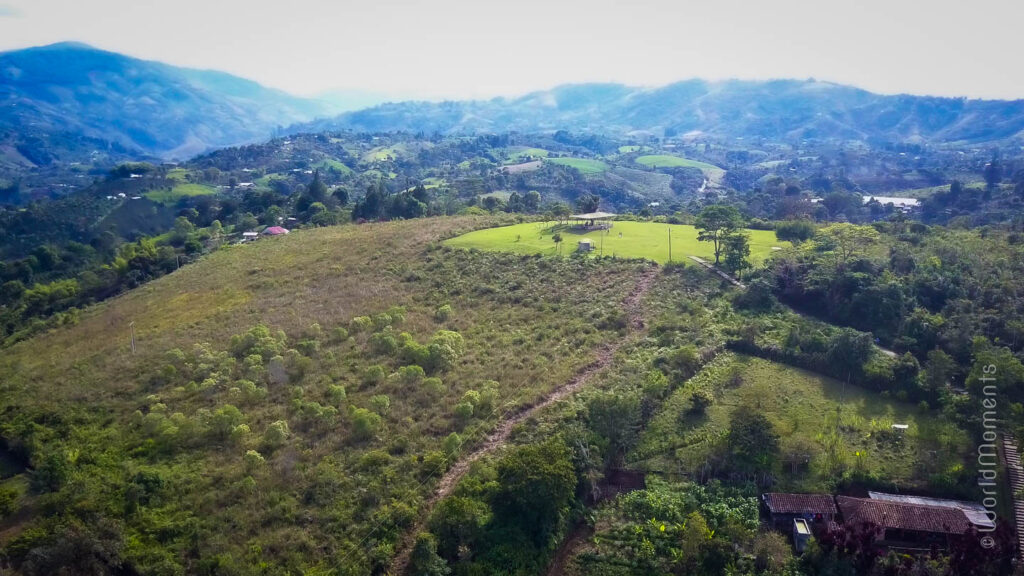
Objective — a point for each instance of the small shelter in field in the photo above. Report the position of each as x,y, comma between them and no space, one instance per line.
586,245
593,220
275,231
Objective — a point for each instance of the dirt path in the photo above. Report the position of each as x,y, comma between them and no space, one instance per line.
497,438
566,549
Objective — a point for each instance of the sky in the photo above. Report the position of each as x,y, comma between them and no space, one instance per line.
437,49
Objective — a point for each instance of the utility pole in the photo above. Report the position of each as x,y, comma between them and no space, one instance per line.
132,326
669,244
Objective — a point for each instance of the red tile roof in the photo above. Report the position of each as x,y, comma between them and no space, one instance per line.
902,516
779,503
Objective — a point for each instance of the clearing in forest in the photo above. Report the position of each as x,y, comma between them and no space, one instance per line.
625,240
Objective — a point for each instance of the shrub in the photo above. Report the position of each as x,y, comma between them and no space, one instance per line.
471,396
655,384
397,314
382,321
340,334
433,386
452,444
463,411
383,343
488,396
364,423
240,433
253,461
410,375
8,497
224,420
700,400
685,360
258,340
360,324
452,339
381,404
424,559
443,313
336,394
373,375
277,434
414,353
308,347
434,463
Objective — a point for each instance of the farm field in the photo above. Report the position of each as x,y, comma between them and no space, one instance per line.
177,192
332,164
668,161
584,165
639,240
804,408
519,154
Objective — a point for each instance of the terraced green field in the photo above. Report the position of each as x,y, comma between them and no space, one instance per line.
626,239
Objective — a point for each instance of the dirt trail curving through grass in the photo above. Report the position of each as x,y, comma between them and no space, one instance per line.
498,438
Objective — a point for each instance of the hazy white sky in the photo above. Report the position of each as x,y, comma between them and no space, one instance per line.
482,48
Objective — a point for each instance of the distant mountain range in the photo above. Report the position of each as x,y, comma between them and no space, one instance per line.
71,90
60,102
785,110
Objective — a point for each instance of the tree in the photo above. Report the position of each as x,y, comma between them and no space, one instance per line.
795,230
537,483
715,223
848,350
993,173
753,443
939,370
531,201
424,560
616,419
341,195
846,241
587,203
736,248
457,522
557,238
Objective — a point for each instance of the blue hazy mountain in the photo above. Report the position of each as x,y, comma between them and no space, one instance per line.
53,94
779,110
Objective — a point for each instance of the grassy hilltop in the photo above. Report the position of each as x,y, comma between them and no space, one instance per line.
156,447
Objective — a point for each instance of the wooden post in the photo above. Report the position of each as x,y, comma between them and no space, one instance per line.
669,244
132,327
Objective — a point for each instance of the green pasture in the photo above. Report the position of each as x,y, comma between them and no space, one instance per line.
521,155
826,429
625,239
667,161
178,192
584,165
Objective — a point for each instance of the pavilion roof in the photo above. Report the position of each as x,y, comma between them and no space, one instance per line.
594,216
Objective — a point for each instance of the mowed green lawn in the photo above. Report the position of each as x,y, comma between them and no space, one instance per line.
584,165
667,161
638,240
